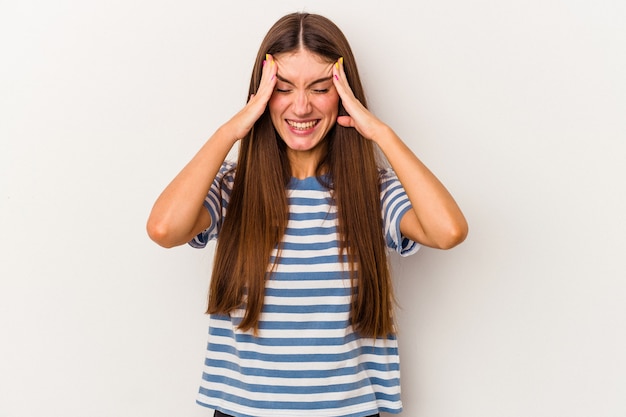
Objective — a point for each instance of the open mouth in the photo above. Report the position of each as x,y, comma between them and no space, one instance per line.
302,125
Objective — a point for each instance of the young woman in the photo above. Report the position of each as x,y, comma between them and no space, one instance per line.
300,302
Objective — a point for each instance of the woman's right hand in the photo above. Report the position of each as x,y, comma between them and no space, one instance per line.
243,121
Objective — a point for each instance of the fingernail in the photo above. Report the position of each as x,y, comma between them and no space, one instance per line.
337,65
336,77
264,62
273,76
341,60
267,57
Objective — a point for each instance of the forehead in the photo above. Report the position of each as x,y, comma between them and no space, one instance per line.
302,66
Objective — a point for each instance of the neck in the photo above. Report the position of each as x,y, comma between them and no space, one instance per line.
303,165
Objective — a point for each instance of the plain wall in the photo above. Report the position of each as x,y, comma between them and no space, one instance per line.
517,106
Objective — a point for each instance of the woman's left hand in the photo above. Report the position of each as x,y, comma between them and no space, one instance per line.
360,118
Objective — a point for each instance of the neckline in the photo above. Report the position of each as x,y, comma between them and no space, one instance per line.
313,180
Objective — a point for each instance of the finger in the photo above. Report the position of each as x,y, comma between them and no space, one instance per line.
269,68
345,121
268,80
342,85
339,76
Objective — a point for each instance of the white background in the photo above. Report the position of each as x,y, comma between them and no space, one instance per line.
518,106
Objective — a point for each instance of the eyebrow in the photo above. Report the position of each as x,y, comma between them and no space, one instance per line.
320,80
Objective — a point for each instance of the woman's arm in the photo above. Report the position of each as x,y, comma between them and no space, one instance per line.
178,214
436,220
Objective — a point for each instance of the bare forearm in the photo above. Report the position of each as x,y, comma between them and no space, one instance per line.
436,219
178,214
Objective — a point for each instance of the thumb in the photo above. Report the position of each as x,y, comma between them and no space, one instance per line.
345,121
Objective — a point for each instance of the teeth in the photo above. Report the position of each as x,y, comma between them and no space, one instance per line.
301,126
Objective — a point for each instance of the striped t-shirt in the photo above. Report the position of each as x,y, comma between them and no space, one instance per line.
305,360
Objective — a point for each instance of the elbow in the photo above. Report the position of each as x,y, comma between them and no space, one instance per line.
448,234
454,236
445,233
159,233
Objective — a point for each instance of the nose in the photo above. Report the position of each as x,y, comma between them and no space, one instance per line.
301,103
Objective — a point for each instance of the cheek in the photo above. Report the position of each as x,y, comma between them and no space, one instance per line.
274,106
330,105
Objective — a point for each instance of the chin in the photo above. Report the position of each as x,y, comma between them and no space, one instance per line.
302,144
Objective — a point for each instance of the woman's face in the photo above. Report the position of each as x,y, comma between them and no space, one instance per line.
305,103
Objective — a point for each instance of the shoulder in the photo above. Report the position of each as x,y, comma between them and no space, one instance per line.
385,173
226,174
228,167
387,178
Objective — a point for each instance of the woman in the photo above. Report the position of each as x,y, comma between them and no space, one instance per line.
300,303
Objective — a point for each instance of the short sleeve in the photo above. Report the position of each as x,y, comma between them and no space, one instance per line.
394,204
216,202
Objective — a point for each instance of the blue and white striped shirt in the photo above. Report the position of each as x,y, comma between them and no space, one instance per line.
306,359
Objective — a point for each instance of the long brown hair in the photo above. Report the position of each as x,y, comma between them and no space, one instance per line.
257,210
